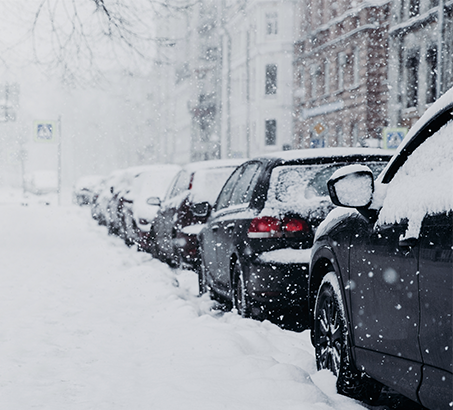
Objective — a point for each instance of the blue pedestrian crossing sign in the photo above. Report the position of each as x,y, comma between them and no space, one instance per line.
392,137
45,131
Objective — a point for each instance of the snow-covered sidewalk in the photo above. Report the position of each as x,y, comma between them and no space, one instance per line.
86,323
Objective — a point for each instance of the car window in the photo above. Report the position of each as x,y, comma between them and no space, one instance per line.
223,200
423,184
242,192
207,183
180,184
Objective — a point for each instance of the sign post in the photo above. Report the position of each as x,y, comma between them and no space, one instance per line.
49,132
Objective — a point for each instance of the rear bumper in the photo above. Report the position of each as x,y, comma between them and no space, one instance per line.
273,285
187,247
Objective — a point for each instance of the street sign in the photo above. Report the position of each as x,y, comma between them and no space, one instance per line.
45,132
319,128
392,137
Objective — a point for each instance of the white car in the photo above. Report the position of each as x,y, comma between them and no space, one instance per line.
141,203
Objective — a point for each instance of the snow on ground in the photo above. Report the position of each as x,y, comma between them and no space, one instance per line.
86,323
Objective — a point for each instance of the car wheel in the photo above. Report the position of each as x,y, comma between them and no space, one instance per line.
332,346
241,300
129,229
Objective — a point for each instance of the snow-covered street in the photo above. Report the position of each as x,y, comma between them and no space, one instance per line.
87,323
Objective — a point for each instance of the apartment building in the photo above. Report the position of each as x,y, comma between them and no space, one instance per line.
340,73
420,57
257,72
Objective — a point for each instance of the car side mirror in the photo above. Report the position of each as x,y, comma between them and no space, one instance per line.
201,209
153,200
352,186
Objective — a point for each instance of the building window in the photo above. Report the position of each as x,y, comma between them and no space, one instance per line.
431,80
340,136
301,83
326,77
272,23
341,66
356,68
414,8
271,132
355,134
412,63
271,79
315,73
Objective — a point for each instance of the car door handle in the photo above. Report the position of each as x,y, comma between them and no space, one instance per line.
215,228
230,226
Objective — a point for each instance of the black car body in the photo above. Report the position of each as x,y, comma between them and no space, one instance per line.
255,247
381,271
173,234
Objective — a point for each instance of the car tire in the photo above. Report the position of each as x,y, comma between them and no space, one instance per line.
241,299
332,344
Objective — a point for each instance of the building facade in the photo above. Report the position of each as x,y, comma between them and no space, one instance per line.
257,43
420,57
340,74
364,67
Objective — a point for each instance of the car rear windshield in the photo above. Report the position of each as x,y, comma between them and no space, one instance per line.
301,186
207,183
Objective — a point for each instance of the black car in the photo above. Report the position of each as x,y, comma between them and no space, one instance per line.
381,271
255,246
173,234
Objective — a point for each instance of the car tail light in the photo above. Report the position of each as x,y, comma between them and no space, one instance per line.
295,225
191,180
271,227
265,227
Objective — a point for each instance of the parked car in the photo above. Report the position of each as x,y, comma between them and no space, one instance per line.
255,246
173,235
381,271
86,188
143,200
100,207
121,200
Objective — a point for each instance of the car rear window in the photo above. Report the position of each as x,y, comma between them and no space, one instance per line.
295,187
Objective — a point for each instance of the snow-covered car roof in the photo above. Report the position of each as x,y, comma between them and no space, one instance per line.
326,153
217,163
88,181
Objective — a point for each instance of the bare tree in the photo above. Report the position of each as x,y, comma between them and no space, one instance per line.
79,40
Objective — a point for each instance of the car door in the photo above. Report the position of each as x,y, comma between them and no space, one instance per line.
164,222
401,316
233,220
384,304
209,236
436,307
